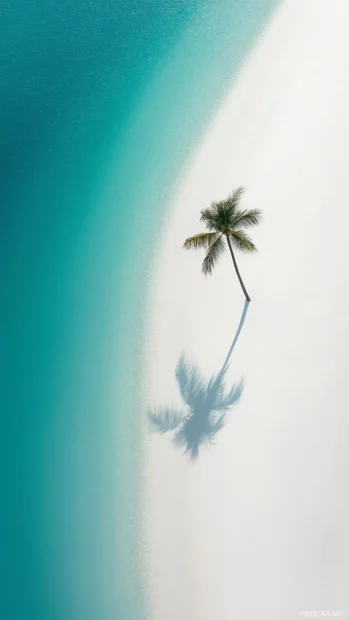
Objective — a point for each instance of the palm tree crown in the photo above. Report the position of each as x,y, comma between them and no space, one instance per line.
225,221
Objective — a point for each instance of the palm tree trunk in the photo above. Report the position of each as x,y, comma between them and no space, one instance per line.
237,271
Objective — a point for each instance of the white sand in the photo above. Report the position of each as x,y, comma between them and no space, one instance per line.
257,527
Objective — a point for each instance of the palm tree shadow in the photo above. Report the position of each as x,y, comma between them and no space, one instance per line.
206,403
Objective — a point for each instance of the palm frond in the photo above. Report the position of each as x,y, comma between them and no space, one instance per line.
232,202
247,218
242,241
202,240
165,419
216,217
220,215
209,217
214,252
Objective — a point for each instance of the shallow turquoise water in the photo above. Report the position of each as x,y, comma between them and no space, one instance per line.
102,104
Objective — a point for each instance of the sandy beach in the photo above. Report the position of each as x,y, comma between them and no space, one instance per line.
256,528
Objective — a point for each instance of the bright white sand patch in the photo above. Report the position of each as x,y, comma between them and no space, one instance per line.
257,527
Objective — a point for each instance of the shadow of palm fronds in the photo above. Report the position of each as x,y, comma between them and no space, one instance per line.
206,404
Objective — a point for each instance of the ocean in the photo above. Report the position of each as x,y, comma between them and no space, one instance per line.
102,106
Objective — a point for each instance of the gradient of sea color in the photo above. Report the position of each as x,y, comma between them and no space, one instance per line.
101,103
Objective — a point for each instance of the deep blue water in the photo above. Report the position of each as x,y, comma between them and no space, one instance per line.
101,104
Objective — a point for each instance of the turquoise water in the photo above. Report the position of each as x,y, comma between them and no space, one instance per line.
102,104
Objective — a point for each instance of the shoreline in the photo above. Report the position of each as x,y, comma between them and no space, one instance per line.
254,512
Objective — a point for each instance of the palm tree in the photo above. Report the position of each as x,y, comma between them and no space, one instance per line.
225,221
